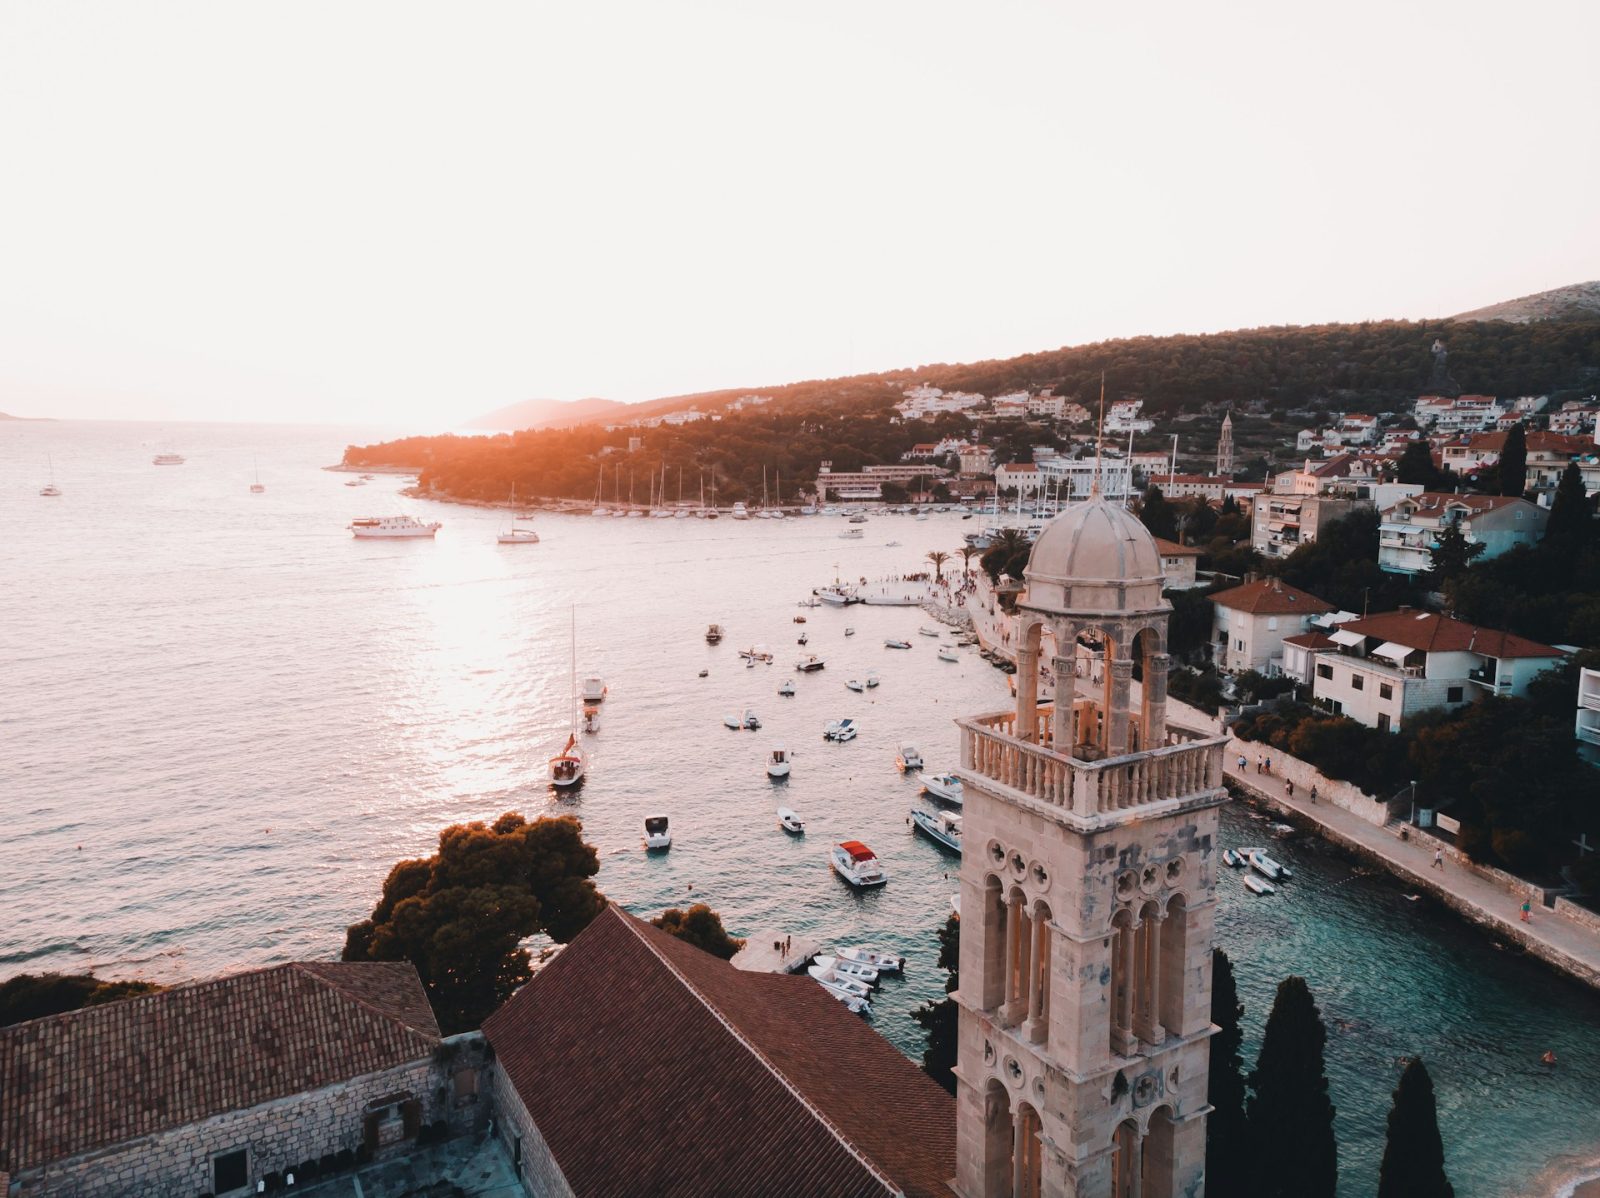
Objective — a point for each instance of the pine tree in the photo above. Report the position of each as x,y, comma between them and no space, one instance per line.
1413,1157
1514,462
1227,1133
1291,1116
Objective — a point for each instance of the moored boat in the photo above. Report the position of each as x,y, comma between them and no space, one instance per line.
857,864
567,767
946,787
778,762
787,689
924,630
943,827
1263,864
840,731
846,968
594,690
751,720
657,834
714,634
866,954
790,821
853,1002
946,654
896,643
909,758
1232,858
380,527
832,977
1258,885
856,685
809,664
872,679
591,719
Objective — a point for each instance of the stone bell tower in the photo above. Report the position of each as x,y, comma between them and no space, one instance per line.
1087,893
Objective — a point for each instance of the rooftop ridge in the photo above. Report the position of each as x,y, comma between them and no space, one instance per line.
311,968
635,927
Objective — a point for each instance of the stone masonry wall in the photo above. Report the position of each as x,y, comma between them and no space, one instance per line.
538,1169
1304,776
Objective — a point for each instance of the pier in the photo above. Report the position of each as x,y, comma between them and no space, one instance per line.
775,952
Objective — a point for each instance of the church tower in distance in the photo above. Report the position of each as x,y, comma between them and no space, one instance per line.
1225,447
1087,893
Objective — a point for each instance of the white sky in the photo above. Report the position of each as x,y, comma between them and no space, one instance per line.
413,213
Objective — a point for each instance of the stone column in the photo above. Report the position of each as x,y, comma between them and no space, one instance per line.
1156,666
1027,691
1120,677
1019,1154
1039,983
1122,1037
1062,732
1153,1033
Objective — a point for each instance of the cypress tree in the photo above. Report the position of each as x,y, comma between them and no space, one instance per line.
1514,462
1571,527
1158,516
1413,1157
1291,1116
1227,1134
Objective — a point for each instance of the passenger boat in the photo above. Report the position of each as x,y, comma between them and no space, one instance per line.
787,689
856,685
1266,866
378,527
1258,885
656,833
846,968
849,985
946,654
714,634
944,827
594,690
852,1002
857,864
946,787
778,763
840,731
809,664
872,679
909,758
790,820
877,958
750,719
895,643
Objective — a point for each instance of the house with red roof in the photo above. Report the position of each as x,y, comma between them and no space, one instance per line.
1252,621
1396,664
1410,528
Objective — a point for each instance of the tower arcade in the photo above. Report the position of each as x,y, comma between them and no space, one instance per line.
1087,892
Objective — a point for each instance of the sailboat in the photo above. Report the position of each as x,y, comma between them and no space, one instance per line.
50,490
517,534
256,487
567,767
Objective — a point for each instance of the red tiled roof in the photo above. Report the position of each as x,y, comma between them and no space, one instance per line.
1270,597
1172,549
1435,633
1310,640
1546,442
1432,503
95,1077
651,1067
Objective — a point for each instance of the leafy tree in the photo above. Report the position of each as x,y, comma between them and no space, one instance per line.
1189,627
1007,554
701,927
1416,466
1227,1131
893,492
1450,556
461,915
938,557
1157,515
1341,566
1291,1116
1413,1156
1514,462
941,493
940,1017
35,995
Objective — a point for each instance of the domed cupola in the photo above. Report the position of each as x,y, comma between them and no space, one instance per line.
1094,557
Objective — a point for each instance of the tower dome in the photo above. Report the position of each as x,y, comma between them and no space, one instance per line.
1095,556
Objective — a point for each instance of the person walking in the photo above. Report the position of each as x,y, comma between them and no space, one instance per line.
1266,767
1288,786
1313,792
1527,906
1244,766
1438,859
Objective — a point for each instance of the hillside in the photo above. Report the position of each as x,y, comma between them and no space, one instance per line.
1579,301
546,413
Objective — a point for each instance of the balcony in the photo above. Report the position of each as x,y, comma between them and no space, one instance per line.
1588,735
1189,765
1488,678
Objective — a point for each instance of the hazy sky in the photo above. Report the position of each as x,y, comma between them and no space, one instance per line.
404,212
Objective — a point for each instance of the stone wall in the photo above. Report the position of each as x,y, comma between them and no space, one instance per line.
1578,914
537,1166
278,1135
1344,795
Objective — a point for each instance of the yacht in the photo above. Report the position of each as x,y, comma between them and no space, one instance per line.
946,787
257,487
946,654
787,689
714,634
167,459
518,535
896,643
809,664
840,731
656,833
852,1002
594,690
790,820
378,527
909,758
857,864
568,766
943,827
1266,866
832,977
846,968
867,955
50,490
778,763
836,595
740,512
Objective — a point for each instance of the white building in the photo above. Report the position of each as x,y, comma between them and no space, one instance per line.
1179,563
1410,528
1394,665
1588,725
1252,620
1123,417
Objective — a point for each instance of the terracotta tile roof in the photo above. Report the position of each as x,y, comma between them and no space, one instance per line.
1433,503
1172,549
1435,633
1310,640
1270,597
90,1078
650,1067
1546,442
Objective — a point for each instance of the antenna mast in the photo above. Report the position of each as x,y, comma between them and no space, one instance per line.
1099,439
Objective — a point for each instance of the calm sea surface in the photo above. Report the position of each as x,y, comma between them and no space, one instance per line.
222,720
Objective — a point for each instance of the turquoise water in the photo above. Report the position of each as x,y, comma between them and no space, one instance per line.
244,717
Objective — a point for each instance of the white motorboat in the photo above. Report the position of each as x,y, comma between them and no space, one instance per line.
803,639
872,679
809,664
896,643
778,763
356,482
756,653
1258,885
858,518
714,634
167,459
378,527
657,835
852,1002
732,720
1263,864
740,512
946,787
877,958
851,534
591,720
787,689
944,827
567,767
836,595
790,820
849,985
909,758
857,864
846,968
839,731
1233,859
926,631
518,535
751,721
50,491
856,685
594,690
946,654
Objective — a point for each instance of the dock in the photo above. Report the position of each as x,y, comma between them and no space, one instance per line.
765,952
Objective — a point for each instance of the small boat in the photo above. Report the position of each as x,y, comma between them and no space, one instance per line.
926,631
355,482
379,527
790,820
851,534
895,643
812,602
257,488
367,478
858,518
1233,859
656,833
865,954
872,679
787,689
809,664
594,690
50,491
591,720
740,512
909,758
831,977
854,1003
1265,865
946,787
891,544
856,685
749,663
733,721
518,535
799,619
567,766
756,653
849,632
944,827
750,719
704,673
805,639
857,864
1282,831
839,731
167,459
946,654
1257,886
955,906
778,763
844,967
714,634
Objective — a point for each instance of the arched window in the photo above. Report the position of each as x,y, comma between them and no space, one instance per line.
1174,960
1039,984
999,1140
1027,1154
1126,1162
1122,973
992,976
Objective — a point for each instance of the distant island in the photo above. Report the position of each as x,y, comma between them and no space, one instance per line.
9,416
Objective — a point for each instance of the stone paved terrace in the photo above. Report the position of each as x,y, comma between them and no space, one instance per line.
474,1166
